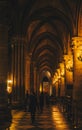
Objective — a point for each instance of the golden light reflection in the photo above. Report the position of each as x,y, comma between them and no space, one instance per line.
15,120
59,120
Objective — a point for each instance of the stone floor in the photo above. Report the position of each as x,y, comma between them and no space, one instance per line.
50,119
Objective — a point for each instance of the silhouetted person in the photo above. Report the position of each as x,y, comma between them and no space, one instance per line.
41,101
47,99
32,105
26,100
9,99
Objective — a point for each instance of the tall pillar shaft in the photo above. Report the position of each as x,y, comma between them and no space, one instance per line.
31,76
62,74
27,74
18,72
35,76
37,82
69,74
77,91
5,114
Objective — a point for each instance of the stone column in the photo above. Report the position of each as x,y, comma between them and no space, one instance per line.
14,70
31,76
18,72
68,62
77,91
5,114
27,73
37,82
62,74
69,74
35,76
56,87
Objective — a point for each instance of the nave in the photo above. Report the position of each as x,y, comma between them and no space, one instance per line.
51,119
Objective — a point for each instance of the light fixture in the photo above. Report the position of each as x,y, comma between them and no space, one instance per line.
9,86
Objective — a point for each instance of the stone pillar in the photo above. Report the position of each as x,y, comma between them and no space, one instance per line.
37,82
35,76
5,114
31,76
56,87
77,91
18,69
68,62
69,74
62,74
27,73
59,81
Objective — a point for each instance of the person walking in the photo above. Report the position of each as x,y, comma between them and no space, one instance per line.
47,98
32,105
41,102
26,100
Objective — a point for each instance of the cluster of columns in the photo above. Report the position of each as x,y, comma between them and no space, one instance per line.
24,73
18,69
69,78
77,80
5,113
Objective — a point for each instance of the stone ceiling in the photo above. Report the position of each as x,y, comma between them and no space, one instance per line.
47,25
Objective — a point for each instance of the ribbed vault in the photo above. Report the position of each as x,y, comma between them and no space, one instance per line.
47,26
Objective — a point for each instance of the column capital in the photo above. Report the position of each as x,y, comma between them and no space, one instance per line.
76,42
69,62
77,47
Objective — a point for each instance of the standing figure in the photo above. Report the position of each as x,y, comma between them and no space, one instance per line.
32,105
47,98
41,102
26,100
9,99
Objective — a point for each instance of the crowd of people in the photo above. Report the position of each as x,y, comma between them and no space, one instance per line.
35,103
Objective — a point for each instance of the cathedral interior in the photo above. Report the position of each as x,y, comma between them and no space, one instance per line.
41,50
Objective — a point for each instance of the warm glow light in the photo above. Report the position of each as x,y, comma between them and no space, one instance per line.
40,88
58,119
69,65
9,81
49,74
62,73
9,86
55,78
62,69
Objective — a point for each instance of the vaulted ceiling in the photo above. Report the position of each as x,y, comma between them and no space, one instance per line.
47,26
